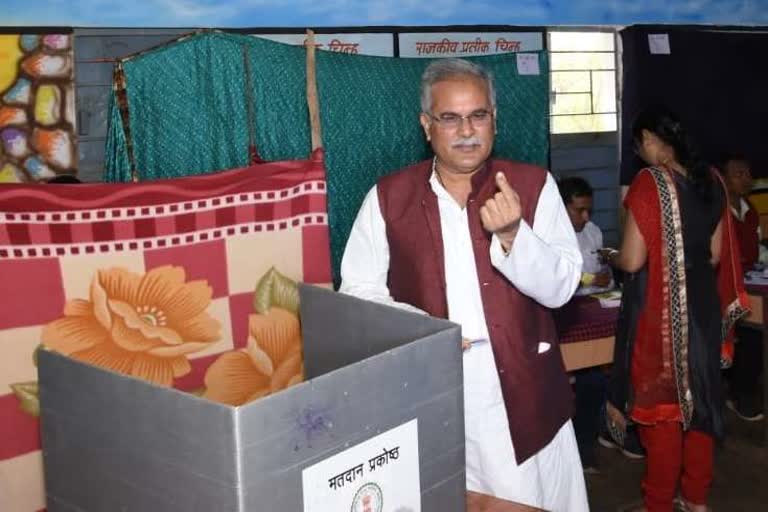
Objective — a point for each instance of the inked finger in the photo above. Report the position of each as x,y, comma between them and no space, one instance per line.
501,201
493,207
504,186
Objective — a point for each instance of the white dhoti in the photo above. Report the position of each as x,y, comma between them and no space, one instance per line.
544,263
552,479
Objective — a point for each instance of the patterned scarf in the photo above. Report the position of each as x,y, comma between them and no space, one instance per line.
733,298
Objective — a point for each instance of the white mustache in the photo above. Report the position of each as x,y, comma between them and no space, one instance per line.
469,141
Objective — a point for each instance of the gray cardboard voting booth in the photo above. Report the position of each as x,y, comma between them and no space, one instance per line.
115,443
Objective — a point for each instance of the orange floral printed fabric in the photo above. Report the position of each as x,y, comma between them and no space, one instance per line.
272,361
189,283
139,325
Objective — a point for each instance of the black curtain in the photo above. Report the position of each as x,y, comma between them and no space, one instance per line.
715,79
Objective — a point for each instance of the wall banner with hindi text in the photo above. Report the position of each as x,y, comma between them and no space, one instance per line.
379,44
467,44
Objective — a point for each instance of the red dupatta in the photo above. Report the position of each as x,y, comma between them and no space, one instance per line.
734,302
663,325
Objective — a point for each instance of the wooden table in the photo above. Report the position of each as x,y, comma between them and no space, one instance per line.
588,353
586,332
477,502
758,298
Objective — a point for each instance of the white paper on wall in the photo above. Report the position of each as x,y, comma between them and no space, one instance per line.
528,64
658,44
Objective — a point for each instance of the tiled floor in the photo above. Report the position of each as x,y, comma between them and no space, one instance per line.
741,474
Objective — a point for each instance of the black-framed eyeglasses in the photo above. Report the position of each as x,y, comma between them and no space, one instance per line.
451,120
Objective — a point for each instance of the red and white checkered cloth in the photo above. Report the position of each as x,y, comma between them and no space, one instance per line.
223,230
584,319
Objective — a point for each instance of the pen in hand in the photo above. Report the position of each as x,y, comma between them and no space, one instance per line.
467,344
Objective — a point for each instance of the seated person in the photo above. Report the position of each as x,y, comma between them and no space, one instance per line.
588,383
744,376
737,175
577,195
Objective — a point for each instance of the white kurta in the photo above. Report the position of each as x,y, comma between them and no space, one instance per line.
590,240
741,214
545,264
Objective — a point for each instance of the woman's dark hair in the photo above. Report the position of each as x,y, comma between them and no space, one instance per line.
666,126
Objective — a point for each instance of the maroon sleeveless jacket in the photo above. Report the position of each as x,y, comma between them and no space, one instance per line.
535,387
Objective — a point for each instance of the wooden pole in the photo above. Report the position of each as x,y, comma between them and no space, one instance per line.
312,98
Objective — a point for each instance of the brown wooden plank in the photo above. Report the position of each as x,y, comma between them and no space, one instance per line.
477,502
585,354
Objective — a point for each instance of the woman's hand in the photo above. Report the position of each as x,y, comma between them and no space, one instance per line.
606,254
616,417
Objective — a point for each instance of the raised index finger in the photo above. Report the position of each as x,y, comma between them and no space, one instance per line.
509,193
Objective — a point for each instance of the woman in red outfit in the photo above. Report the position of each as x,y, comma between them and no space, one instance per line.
684,290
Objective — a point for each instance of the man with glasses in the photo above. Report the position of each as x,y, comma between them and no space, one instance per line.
487,244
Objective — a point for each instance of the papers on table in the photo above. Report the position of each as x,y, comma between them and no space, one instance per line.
611,299
756,277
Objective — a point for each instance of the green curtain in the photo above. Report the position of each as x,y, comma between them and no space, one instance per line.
118,167
188,105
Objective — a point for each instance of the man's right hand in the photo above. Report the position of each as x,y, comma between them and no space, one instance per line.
501,213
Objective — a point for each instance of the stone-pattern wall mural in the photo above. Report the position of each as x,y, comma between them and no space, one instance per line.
37,107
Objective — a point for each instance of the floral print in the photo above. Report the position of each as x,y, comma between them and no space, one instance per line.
272,360
139,325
